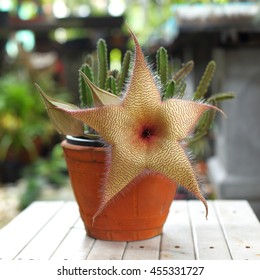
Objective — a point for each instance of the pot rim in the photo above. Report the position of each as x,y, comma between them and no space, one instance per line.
83,141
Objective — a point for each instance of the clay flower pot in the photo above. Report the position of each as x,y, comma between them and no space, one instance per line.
138,215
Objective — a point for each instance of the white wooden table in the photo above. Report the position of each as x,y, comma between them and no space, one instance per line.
53,230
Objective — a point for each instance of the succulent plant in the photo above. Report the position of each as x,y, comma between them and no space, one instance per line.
147,128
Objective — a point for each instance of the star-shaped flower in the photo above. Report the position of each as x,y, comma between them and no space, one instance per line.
144,132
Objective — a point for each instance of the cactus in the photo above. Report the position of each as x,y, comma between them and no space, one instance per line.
183,72
180,89
170,90
205,81
203,126
207,119
177,85
124,70
220,96
86,98
162,65
106,78
102,63
111,85
89,60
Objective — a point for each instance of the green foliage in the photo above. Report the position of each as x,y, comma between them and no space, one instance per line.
124,70
205,81
21,120
86,97
162,65
170,89
50,171
182,73
207,119
111,85
176,86
102,63
104,77
217,97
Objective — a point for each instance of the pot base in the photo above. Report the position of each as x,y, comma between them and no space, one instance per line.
124,229
122,235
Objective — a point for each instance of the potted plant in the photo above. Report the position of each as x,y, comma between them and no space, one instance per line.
145,133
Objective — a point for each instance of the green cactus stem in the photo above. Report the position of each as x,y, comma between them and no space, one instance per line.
170,90
111,85
203,126
207,119
102,62
217,97
89,60
180,89
183,72
162,65
205,81
124,70
86,97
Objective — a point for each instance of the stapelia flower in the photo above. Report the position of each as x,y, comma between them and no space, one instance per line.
144,132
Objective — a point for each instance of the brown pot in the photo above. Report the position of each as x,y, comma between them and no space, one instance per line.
139,214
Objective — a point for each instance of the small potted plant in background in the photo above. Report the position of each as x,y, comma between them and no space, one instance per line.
24,128
125,186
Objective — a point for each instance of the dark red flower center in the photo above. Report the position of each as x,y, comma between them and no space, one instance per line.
147,133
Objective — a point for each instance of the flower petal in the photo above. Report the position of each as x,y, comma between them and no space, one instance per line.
182,116
100,96
142,89
125,165
171,161
63,122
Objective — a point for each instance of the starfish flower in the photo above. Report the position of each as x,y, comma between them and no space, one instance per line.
144,132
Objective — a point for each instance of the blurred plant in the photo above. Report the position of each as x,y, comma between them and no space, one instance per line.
22,118
49,171
150,17
25,131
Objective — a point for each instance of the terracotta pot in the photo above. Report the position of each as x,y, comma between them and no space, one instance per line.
139,214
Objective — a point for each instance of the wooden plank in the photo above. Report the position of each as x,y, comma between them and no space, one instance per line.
177,239
53,229
48,239
22,229
241,228
76,245
107,250
143,250
211,242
